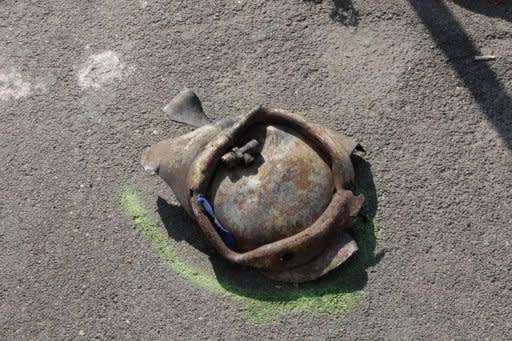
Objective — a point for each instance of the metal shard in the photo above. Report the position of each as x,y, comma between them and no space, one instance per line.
186,108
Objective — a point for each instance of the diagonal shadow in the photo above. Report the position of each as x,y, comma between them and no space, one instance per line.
478,77
490,8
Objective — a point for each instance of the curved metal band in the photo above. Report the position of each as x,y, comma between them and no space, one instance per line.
304,245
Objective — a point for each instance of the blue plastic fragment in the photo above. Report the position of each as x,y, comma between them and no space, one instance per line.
224,234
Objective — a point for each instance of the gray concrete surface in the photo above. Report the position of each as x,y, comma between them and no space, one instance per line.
82,87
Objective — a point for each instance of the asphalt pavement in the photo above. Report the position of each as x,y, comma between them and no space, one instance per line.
82,88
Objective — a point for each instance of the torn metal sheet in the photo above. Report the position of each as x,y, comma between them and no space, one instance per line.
186,108
268,189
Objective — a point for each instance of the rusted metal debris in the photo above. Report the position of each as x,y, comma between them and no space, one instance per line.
268,189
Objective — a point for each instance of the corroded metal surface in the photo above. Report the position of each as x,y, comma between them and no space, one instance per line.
339,250
286,210
284,191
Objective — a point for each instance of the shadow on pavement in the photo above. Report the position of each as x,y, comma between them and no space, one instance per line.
343,12
349,277
490,8
180,226
478,77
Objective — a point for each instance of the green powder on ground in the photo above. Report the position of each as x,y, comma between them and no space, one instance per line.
259,305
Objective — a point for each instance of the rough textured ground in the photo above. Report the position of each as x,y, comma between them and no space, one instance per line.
82,87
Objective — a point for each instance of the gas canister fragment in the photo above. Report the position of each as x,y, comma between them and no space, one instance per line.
278,187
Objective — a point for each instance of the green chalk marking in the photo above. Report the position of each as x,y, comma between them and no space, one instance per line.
324,296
